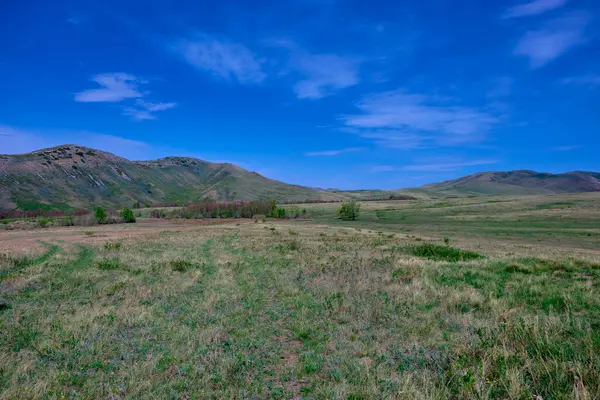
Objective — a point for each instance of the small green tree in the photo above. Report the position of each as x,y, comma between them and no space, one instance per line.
136,204
100,214
281,213
349,211
127,215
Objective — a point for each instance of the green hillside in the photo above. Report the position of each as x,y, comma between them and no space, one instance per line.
519,182
72,176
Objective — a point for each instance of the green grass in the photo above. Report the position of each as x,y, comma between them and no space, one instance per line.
302,311
572,219
441,253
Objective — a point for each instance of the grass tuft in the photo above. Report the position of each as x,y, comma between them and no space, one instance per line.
109,264
437,252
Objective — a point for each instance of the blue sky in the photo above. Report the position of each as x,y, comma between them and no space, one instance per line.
329,93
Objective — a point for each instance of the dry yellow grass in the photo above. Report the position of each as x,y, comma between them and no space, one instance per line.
293,309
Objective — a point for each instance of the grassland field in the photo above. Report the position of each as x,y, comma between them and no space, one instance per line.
476,298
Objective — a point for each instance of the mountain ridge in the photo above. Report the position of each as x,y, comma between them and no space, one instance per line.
520,181
73,176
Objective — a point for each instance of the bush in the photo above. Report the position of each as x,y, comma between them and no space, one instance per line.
112,246
109,264
100,214
43,222
281,213
180,265
349,211
127,215
441,253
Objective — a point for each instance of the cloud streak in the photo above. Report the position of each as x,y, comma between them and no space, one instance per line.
398,119
116,87
586,80
553,40
566,148
324,74
145,111
222,58
533,8
24,141
333,152
319,75
435,165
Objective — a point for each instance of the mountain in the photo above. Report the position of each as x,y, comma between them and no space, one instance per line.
71,176
520,182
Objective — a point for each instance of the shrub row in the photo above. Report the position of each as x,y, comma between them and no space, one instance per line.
9,214
341,201
234,209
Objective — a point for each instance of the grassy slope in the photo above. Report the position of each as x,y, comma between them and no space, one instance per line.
518,182
509,183
568,219
73,176
296,309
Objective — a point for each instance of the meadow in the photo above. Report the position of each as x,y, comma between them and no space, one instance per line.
487,297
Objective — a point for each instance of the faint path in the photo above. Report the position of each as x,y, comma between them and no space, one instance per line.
23,241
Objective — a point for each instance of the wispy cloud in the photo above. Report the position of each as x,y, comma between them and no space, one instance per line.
554,39
395,139
384,168
333,152
566,148
586,80
116,87
324,74
533,8
320,75
447,165
500,87
402,120
143,110
119,87
436,164
222,58
26,140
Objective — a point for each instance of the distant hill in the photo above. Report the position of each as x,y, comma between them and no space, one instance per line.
520,182
72,176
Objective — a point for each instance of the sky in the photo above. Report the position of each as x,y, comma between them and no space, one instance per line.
341,94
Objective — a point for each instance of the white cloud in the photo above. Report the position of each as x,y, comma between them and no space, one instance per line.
533,8
324,74
395,139
333,152
567,147
447,165
554,39
401,120
145,111
222,58
320,75
25,140
435,164
500,87
153,107
586,80
137,114
384,168
116,87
